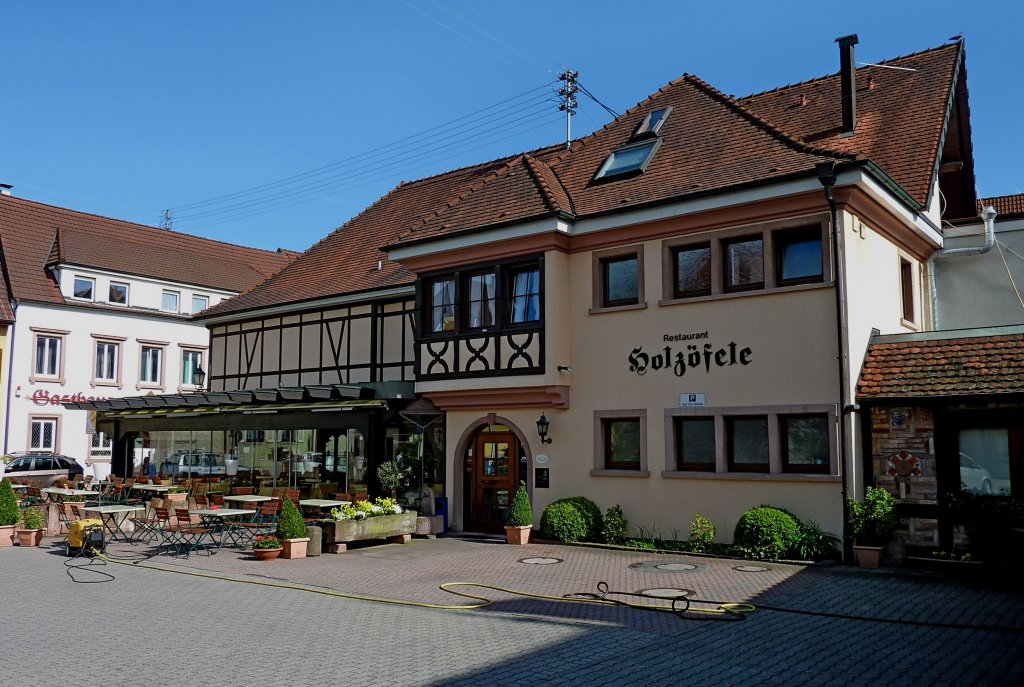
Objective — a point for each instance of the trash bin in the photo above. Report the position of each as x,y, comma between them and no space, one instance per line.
441,508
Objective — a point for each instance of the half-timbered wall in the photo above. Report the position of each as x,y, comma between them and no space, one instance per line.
367,342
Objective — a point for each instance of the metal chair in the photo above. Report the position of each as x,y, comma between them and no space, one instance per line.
190,535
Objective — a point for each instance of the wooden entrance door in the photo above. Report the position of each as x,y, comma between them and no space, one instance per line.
495,478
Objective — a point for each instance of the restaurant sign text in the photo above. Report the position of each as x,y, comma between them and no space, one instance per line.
681,358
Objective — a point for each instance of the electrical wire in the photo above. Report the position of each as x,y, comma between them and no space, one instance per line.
457,151
590,95
534,106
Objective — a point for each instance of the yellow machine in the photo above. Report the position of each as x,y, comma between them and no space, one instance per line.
85,535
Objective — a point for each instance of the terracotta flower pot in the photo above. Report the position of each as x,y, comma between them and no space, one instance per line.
869,556
294,548
30,537
7,535
267,554
519,536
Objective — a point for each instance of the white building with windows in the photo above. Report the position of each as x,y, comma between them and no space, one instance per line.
102,309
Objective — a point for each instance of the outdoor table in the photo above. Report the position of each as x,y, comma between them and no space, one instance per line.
118,514
220,518
320,504
154,488
57,494
248,498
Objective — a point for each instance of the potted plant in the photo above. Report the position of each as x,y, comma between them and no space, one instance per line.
8,513
520,518
872,522
176,494
291,530
392,477
382,518
267,547
33,525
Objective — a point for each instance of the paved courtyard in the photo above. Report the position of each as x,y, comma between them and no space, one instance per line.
155,625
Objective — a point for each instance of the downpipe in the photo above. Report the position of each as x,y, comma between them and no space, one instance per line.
989,217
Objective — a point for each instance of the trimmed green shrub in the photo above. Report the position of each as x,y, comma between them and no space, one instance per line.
814,544
289,523
616,527
766,532
873,520
702,533
591,516
562,520
8,504
521,512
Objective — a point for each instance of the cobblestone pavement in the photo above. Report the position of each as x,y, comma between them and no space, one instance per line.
159,626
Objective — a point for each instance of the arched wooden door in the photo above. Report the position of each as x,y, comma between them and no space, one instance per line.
495,467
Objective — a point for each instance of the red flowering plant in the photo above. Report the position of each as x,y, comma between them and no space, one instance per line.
267,542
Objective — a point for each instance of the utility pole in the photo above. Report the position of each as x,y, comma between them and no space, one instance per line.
568,105
167,220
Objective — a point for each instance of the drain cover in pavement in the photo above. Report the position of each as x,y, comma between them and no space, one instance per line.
540,561
751,568
663,566
666,592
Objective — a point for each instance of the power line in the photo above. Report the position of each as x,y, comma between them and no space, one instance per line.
313,172
590,95
282,204
485,126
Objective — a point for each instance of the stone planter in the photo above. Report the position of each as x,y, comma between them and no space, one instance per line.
429,526
30,537
395,528
294,548
266,554
519,536
960,570
7,535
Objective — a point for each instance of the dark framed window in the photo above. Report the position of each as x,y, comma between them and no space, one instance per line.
798,256
744,263
621,443
653,122
805,443
442,305
620,281
691,273
695,443
524,294
118,293
631,159
84,287
907,290
481,298
747,443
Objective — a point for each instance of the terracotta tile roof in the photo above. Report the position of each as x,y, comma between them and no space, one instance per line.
900,114
710,143
1008,207
990,364
6,312
35,235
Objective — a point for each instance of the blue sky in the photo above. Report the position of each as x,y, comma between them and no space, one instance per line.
305,113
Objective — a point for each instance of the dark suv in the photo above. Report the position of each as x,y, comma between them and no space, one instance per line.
44,467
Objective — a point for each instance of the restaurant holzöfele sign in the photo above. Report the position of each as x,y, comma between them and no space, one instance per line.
681,357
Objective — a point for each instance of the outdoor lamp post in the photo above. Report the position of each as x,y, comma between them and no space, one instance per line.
542,429
198,377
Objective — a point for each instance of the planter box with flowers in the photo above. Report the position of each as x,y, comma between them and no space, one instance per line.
267,547
33,525
366,521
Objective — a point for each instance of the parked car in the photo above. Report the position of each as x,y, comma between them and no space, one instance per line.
43,467
201,464
973,477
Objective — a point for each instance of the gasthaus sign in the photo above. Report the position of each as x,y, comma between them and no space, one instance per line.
680,357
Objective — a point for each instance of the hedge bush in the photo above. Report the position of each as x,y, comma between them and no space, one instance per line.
616,527
8,504
702,533
290,524
766,532
563,521
591,516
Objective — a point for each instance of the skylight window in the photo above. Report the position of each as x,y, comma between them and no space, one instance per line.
653,122
632,158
